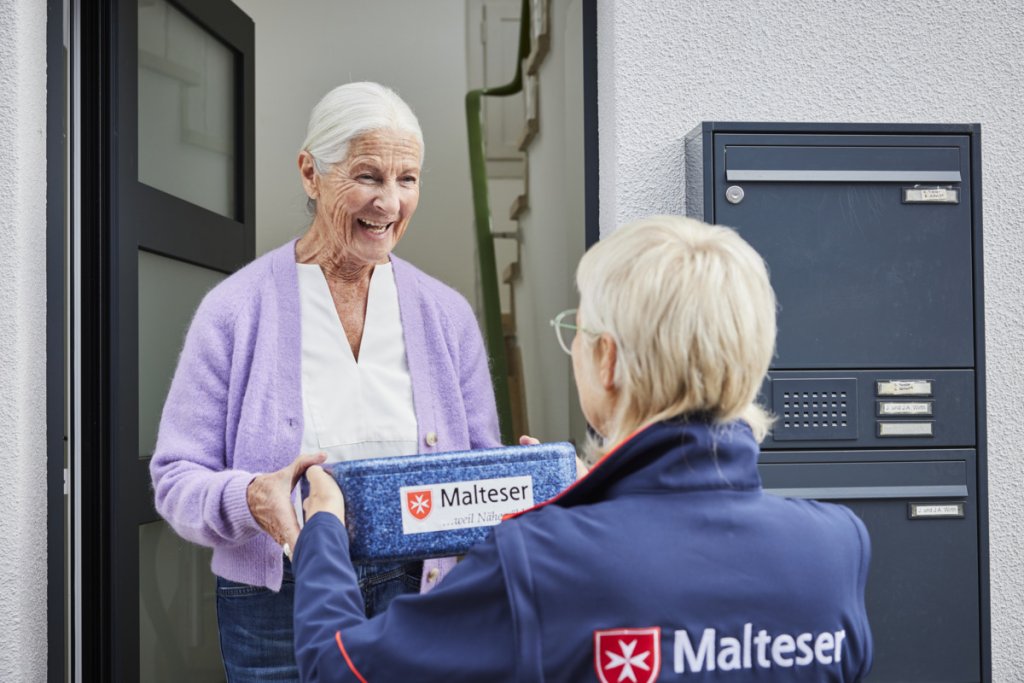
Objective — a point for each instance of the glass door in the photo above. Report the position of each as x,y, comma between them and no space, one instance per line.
178,125
186,220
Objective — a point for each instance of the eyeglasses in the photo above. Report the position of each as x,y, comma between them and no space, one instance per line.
566,329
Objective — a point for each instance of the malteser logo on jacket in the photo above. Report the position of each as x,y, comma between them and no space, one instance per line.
755,650
627,654
418,503
634,654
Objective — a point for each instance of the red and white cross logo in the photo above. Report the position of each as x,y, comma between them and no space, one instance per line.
418,503
627,654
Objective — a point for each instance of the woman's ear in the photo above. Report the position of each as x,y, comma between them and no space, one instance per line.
607,358
307,171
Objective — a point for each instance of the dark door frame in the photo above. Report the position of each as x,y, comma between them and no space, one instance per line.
55,339
592,203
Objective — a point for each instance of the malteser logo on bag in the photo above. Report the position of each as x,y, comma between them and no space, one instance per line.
627,654
418,503
463,504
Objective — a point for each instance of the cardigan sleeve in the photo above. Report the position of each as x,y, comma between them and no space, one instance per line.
475,381
195,491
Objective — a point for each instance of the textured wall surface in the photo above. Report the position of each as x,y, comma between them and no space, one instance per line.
665,66
22,340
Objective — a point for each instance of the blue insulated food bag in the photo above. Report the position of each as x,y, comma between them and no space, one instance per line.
434,505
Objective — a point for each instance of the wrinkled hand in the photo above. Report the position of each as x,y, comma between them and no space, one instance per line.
324,494
270,499
581,469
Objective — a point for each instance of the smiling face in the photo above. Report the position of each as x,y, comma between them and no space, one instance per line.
364,203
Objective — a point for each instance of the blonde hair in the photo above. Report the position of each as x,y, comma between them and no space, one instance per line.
692,313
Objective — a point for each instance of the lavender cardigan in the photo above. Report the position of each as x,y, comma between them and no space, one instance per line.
234,408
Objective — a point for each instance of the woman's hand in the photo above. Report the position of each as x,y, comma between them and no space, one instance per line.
324,494
270,499
581,469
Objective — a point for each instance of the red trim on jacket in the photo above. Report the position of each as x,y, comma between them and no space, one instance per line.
351,666
570,487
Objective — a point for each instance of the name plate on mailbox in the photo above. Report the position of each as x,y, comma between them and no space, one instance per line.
936,510
904,408
931,195
904,429
904,387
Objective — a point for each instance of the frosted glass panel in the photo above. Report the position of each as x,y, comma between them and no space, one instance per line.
177,610
186,109
169,292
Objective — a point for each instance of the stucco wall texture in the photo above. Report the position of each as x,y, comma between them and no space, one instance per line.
22,340
664,66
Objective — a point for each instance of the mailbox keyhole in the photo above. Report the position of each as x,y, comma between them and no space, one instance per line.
734,194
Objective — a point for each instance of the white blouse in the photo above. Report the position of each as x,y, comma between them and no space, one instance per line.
354,410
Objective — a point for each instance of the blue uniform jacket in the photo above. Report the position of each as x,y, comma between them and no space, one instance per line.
667,562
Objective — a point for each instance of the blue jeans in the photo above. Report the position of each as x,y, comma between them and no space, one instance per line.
255,623
382,583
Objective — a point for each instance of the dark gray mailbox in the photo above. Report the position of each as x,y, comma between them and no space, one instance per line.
872,234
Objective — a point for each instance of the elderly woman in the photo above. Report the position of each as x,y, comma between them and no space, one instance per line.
668,558
330,347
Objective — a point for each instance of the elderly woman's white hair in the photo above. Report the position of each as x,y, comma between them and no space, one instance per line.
350,110
692,313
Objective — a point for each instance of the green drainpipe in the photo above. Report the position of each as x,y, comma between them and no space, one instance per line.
484,241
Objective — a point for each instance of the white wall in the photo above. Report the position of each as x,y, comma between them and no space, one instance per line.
665,66
552,230
22,340
417,48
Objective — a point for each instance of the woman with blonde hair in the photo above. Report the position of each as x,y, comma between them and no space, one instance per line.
668,558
